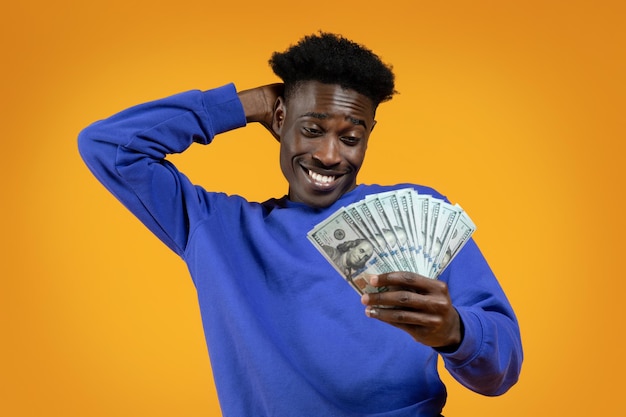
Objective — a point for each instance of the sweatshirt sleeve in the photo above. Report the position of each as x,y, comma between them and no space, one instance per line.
489,359
127,151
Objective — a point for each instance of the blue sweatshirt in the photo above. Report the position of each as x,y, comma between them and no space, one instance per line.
286,335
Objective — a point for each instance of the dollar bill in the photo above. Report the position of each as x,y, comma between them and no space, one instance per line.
434,206
460,235
382,238
346,246
394,230
446,220
381,251
391,207
422,209
405,206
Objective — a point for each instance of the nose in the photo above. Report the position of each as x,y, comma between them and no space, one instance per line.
327,151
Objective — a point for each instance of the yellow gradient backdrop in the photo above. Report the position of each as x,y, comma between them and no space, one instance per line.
513,109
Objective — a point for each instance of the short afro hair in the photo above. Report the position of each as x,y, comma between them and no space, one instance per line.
333,59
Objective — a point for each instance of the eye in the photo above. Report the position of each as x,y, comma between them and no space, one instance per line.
350,140
311,131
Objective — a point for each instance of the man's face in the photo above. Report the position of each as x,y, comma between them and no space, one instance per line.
358,255
323,132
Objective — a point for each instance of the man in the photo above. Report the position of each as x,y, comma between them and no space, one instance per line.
286,335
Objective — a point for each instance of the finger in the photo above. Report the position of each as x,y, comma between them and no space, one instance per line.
394,298
407,280
395,278
404,317
407,300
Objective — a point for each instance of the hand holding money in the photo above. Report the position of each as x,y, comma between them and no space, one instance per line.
418,305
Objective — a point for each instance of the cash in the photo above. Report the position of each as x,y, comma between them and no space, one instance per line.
399,230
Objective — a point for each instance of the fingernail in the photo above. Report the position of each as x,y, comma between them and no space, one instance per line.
365,298
371,312
373,280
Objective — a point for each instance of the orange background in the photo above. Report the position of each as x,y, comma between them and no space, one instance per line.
513,109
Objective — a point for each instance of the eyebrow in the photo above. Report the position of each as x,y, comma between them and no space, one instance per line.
323,116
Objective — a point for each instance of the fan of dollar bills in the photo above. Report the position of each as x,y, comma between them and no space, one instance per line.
398,230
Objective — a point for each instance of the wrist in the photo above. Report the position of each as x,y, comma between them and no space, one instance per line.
254,104
457,339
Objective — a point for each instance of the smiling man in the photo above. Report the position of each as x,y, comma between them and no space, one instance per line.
322,150
287,336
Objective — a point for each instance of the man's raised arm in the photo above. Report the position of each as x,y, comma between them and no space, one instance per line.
127,151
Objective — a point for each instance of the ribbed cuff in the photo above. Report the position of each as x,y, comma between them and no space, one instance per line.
472,340
224,109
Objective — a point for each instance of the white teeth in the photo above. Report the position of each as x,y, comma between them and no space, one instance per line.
323,179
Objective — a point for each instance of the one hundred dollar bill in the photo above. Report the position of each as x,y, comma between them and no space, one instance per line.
348,249
459,236
446,220
394,232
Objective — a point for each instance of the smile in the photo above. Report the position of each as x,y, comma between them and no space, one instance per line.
321,180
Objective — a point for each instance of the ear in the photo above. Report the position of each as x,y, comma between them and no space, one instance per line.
278,118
